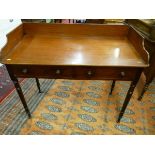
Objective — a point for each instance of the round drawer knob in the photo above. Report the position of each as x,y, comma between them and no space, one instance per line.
89,73
58,71
122,74
24,70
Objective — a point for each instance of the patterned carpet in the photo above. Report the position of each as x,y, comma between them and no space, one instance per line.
84,107
78,107
12,113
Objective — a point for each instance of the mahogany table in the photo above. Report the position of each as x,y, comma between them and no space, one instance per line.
75,51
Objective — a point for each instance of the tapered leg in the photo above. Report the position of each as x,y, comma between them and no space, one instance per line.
128,96
19,91
38,84
112,87
143,91
127,99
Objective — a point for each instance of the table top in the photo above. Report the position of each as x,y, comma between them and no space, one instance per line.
48,49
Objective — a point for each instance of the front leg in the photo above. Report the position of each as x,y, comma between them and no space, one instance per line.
19,91
128,96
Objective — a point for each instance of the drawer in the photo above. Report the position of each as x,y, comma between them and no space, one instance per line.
42,71
75,72
105,73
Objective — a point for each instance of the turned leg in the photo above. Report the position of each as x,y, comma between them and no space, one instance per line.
143,91
127,99
19,91
128,96
38,84
112,86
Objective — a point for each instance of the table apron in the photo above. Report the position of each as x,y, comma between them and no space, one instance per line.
75,72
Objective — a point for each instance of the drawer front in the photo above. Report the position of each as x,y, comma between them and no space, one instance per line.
106,73
75,72
42,71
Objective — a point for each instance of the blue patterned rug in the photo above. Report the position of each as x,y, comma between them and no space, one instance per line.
77,107
12,113
85,107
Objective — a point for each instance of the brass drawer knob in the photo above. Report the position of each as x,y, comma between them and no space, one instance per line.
122,74
24,71
58,71
89,73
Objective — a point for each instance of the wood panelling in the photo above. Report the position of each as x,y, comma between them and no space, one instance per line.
138,42
13,38
76,29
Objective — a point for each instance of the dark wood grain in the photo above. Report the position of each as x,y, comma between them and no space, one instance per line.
74,72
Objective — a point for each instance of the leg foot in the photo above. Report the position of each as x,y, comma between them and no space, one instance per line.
143,91
119,117
118,121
